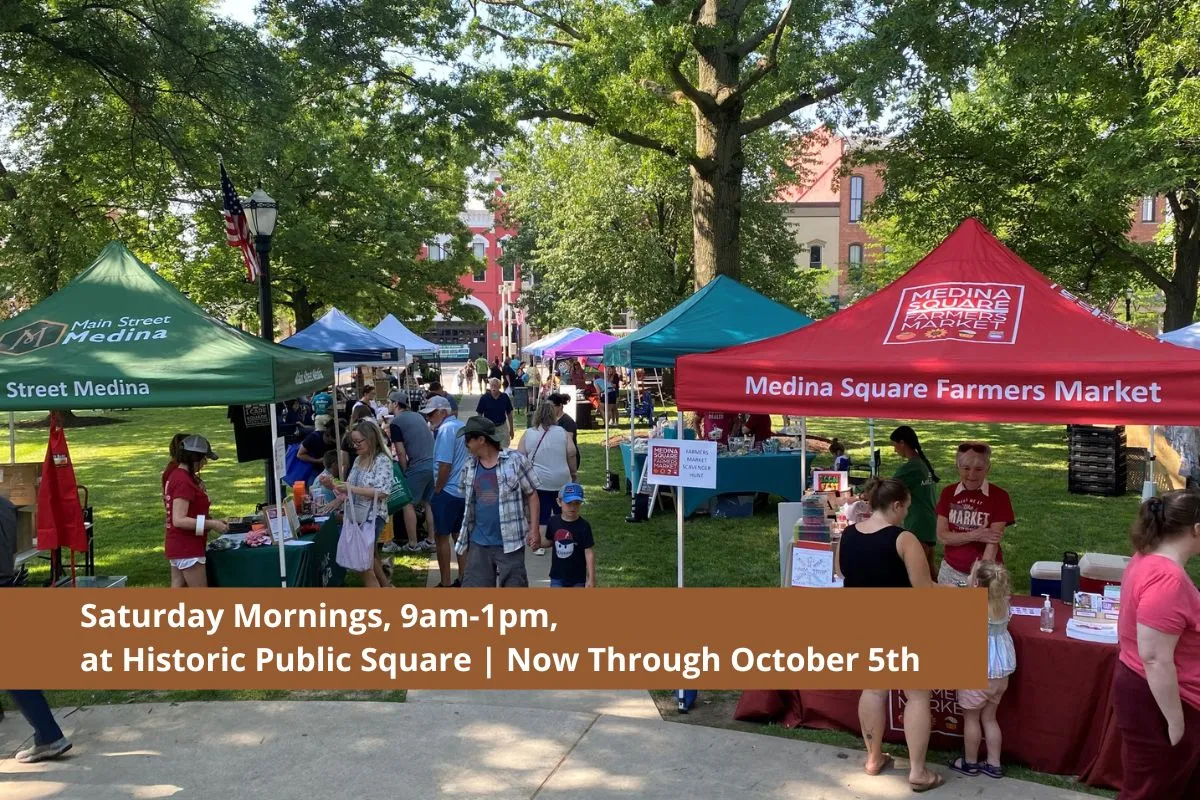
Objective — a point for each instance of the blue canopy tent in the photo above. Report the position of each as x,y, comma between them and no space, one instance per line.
394,330
1184,337
539,347
350,343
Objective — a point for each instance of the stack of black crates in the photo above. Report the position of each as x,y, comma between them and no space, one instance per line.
1097,463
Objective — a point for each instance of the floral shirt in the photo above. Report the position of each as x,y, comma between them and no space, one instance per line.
377,476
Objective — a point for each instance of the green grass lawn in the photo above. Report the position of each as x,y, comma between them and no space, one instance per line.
121,465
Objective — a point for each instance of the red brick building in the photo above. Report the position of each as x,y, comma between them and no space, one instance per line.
490,289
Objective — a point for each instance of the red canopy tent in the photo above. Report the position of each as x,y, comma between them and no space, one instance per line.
971,333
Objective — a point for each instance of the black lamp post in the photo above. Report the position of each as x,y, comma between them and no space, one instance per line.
261,214
1129,305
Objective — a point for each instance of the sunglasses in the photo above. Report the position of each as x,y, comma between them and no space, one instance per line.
357,442
975,447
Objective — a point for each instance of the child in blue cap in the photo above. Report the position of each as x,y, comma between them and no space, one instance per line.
574,562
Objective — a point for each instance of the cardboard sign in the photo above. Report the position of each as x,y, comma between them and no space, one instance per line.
671,462
946,716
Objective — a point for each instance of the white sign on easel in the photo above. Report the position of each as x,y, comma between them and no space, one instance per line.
680,462
280,457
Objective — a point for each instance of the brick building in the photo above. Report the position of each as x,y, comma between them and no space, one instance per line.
491,289
825,210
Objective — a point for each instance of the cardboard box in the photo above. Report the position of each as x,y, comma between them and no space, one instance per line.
19,483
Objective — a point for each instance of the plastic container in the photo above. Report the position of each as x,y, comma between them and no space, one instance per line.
1097,570
1045,577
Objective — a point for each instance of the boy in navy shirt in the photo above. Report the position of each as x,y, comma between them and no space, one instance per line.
574,563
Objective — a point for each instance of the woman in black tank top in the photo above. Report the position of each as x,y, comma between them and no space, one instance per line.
878,553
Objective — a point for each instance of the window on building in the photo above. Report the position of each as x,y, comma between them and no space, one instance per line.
479,251
814,256
510,272
856,198
437,251
855,255
1148,208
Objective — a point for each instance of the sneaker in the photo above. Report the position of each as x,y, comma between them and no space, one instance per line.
541,551
426,545
391,548
411,548
44,752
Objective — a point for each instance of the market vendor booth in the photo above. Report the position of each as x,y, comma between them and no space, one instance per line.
120,336
722,314
971,333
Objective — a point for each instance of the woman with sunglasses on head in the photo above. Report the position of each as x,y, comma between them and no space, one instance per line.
187,505
971,516
1156,687
368,486
917,474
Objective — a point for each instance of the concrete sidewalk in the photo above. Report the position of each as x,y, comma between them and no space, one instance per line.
472,747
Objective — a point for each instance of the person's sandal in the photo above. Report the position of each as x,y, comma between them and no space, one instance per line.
964,767
991,770
921,788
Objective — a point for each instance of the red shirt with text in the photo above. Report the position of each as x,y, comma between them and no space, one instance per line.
968,510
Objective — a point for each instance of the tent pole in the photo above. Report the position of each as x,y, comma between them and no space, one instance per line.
606,456
279,513
871,436
678,490
632,461
803,455
12,438
337,439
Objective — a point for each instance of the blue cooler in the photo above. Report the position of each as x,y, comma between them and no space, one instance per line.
1045,577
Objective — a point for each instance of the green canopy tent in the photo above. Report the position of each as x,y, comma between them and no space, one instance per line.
120,336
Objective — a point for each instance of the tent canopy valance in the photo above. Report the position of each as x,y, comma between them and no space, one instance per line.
587,346
540,346
394,330
120,336
349,342
722,314
970,333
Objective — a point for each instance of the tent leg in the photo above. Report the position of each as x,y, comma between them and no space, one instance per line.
1148,488
678,490
632,416
871,437
606,456
337,442
12,438
803,454
280,515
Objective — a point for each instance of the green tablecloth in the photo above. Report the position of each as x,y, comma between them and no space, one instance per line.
774,473
307,565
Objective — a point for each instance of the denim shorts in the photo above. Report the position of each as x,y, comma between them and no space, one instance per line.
448,512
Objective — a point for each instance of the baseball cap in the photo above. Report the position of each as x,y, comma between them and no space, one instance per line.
435,403
198,444
399,398
572,492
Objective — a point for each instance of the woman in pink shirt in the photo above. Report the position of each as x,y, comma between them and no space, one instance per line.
1156,689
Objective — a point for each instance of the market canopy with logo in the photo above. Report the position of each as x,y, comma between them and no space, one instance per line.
970,333
120,336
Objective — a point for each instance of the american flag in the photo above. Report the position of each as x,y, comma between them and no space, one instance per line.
237,230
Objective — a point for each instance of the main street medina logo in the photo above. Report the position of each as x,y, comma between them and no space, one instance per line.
34,336
983,313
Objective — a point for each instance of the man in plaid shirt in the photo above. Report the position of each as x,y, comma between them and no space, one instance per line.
501,514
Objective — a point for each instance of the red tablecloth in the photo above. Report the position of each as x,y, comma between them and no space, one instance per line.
1056,715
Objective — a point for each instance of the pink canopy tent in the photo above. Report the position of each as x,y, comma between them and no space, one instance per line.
589,346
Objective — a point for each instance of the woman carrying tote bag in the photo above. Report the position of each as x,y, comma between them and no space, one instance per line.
555,460
368,487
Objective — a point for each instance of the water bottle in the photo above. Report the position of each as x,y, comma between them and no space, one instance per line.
1047,616
1070,577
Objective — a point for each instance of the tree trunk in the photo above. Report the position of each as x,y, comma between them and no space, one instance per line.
301,307
1180,299
717,181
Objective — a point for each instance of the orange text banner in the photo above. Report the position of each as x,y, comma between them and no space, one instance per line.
495,639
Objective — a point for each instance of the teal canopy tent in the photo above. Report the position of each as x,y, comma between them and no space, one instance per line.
722,314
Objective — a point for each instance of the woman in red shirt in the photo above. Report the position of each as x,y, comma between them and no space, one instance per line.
186,503
1156,688
971,516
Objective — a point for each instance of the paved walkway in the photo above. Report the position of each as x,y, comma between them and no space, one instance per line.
486,744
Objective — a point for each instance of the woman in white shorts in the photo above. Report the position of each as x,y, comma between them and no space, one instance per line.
187,524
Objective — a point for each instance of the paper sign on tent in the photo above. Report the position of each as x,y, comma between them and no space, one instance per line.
671,462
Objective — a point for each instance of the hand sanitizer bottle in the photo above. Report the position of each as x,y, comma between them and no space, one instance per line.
1047,616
